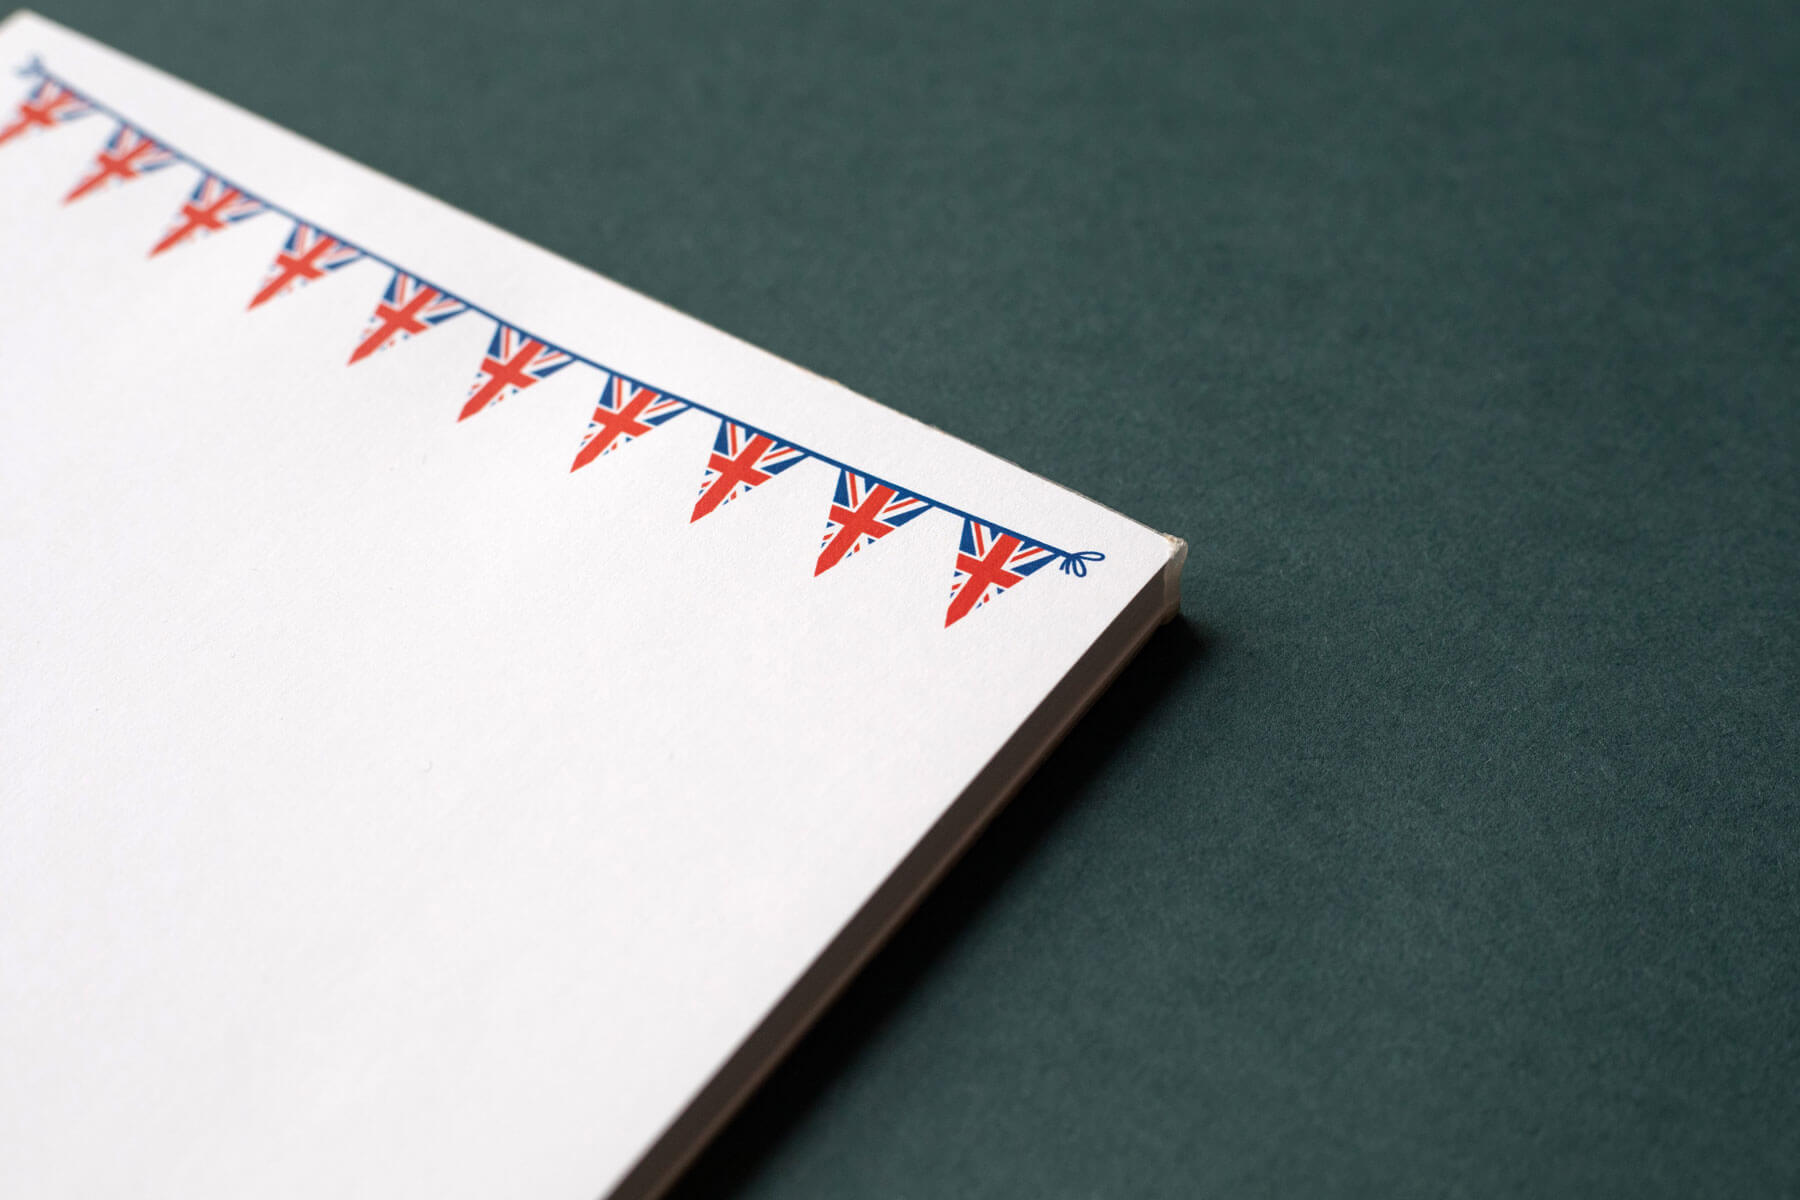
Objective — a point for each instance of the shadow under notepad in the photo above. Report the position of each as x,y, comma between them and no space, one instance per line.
740,1150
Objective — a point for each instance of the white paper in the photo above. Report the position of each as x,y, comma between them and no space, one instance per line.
386,810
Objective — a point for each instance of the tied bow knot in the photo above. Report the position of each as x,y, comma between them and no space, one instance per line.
1076,563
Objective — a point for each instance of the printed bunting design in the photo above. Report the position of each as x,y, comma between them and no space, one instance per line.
513,363
128,155
308,255
861,512
214,205
406,308
741,459
864,508
48,106
990,561
626,412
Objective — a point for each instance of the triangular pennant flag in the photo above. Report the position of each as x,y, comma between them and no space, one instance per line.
513,363
214,205
49,105
990,561
741,458
407,307
308,255
626,412
862,511
128,155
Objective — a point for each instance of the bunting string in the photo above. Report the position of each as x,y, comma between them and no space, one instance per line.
864,509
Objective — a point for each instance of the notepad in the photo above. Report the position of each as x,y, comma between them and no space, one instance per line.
460,719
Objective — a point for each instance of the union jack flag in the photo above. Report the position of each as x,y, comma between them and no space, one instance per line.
127,156
513,363
308,255
406,308
741,458
214,205
862,511
627,411
991,560
49,105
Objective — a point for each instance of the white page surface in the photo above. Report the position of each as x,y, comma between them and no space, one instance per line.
385,808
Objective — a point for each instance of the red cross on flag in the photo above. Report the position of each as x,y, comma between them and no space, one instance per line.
513,363
741,459
408,306
308,255
990,561
863,511
49,105
128,155
626,412
214,205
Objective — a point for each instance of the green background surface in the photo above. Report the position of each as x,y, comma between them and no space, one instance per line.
1447,846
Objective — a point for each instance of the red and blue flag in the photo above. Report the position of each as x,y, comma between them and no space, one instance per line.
214,205
128,155
626,412
407,307
49,105
990,561
741,459
513,363
863,511
308,255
